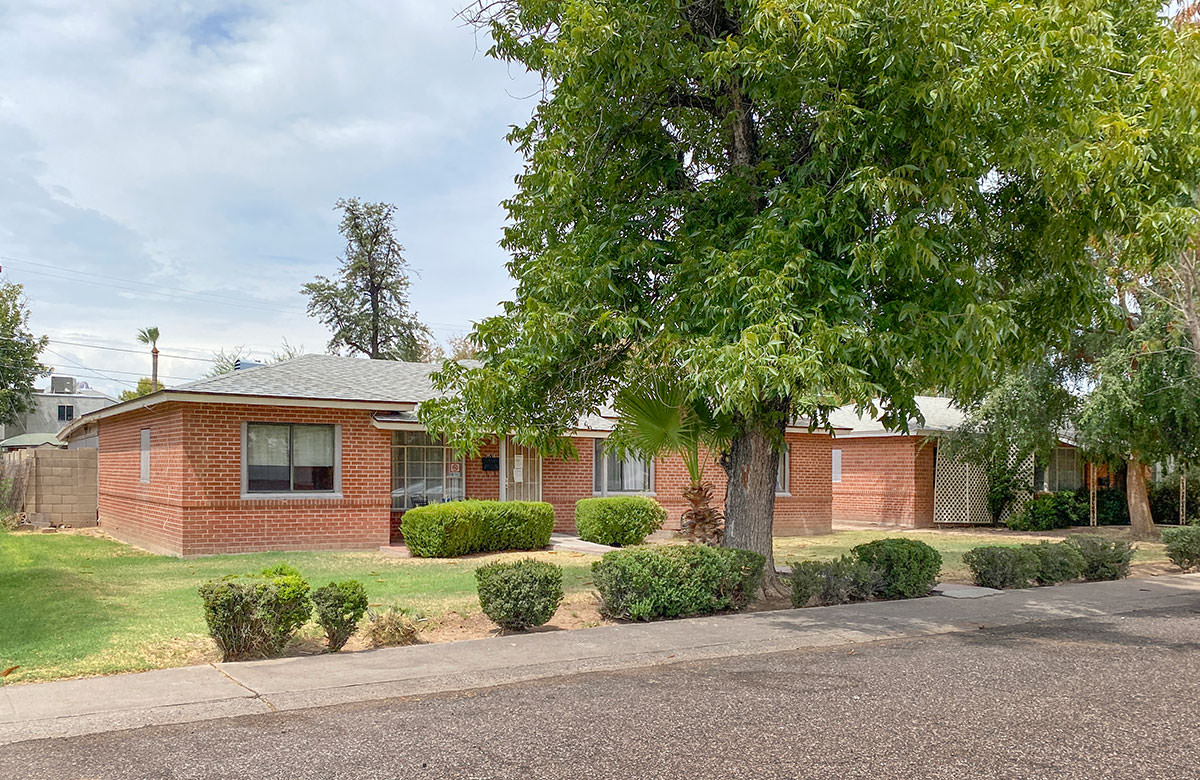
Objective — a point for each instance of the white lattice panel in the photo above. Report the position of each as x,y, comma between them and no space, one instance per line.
959,493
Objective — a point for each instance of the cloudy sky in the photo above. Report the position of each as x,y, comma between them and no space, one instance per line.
176,164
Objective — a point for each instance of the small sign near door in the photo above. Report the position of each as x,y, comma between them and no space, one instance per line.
489,464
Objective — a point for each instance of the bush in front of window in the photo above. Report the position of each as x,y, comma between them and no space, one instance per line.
1049,511
520,594
651,583
619,520
255,615
464,527
339,607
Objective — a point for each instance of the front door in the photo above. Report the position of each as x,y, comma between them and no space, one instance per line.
522,473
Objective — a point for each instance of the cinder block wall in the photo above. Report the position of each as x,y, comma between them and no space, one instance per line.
62,486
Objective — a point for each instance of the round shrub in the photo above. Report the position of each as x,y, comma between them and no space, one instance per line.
841,581
339,607
1103,559
1002,567
909,568
620,521
1183,546
390,627
254,616
649,583
1056,562
520,594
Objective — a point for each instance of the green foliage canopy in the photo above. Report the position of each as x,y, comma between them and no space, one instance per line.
19,352
803,205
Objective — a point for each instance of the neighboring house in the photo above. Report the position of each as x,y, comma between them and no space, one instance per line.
890,478
326,452
65,401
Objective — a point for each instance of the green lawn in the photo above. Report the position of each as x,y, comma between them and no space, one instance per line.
73,605
76,605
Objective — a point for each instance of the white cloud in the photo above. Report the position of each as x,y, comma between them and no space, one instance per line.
201,146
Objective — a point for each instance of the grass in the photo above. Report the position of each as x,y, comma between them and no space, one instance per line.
951,545
77,605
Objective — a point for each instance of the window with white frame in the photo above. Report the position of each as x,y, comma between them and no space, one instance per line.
1063,471
782,474
424,471
614,474
290,458
66,412
837,465
144,466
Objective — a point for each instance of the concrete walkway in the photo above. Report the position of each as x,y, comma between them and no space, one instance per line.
73,707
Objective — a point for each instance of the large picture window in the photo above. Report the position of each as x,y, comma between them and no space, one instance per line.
1063,472
424,471
290,458
613,474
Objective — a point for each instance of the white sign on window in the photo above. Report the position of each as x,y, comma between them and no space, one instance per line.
518,468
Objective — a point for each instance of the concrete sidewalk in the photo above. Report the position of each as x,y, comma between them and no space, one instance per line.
198,693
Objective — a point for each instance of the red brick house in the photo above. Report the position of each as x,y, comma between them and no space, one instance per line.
889,478
324,452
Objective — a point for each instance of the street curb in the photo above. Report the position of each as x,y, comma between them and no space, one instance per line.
198,693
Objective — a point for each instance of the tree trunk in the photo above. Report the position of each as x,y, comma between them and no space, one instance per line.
751,467
1141,524
153,369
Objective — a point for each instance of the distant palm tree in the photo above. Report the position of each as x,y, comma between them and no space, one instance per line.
657,417
150,336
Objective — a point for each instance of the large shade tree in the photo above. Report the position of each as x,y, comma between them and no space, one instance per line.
802,204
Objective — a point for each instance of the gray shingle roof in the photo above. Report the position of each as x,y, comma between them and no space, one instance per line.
940,415
327,377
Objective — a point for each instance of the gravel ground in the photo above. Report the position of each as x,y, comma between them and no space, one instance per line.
1087,698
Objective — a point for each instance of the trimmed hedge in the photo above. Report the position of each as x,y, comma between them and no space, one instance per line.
909,568
255,615
339,607
649,583
1103,559
1002,567
1183,546
840,581
463,527
1048,511
519,594
620,520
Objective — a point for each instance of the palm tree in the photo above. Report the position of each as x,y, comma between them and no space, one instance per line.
150,336
658,417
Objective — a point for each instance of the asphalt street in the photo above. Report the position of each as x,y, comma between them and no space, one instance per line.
1112,697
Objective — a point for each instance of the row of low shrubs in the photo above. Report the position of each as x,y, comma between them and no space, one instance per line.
1093,558
883,569
645,583
256,615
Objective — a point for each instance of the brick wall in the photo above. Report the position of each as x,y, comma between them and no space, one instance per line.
886,480
193,503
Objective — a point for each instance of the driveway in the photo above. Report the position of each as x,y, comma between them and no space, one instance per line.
1108,696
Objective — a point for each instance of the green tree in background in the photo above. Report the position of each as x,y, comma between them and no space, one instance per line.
149,337
802,205
367,306
19,352
145,386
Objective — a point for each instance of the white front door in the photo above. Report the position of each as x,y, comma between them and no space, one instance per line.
522,470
